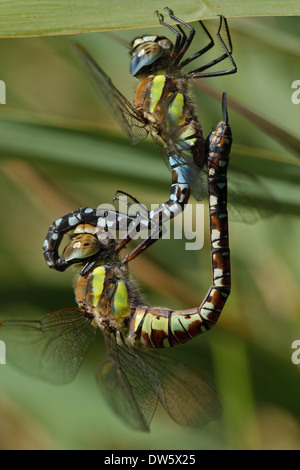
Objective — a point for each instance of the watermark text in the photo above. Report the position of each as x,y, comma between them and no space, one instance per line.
2,352
296,354
135,221
2,92
296,94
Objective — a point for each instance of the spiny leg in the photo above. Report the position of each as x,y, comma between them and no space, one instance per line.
186,42
198,73
143,246
202,51
142,217
182,32
146,219
138,206
178,36
180,29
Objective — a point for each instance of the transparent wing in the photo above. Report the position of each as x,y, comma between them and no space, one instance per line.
248,198
128,387
133,382
191,173
196,178
186,395
52,348
122,110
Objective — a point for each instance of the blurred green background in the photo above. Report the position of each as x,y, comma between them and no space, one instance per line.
61,149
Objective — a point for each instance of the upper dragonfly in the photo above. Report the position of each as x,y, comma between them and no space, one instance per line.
162,106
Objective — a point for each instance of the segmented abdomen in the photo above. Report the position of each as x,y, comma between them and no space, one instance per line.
163,328
158,328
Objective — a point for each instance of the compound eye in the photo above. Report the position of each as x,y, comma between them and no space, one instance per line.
82,246
144,55
136,42
165,44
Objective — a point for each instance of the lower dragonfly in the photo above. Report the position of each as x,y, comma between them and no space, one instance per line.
133,377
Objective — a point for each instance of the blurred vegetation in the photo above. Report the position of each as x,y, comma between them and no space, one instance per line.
60,150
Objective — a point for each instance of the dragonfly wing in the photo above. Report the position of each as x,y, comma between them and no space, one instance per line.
249,200
186,395
190,173
52,348
127,386
122,110
199,184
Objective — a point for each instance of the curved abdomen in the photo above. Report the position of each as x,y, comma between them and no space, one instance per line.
172,122
157,327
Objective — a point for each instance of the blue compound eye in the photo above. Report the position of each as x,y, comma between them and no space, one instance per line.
145,54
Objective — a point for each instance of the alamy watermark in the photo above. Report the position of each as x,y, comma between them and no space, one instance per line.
2,92
134,220
296,354
2,352
296,94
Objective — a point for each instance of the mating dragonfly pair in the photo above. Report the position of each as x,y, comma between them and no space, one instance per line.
133,378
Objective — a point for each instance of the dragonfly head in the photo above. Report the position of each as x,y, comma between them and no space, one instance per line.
82,246
86,249
148,50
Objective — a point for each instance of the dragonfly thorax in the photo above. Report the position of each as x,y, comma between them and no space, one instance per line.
149,53
102,289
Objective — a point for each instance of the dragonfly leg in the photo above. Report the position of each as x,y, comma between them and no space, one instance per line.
155,219
133,204
178,35
140,216
199,72
185,42
144,245
203,50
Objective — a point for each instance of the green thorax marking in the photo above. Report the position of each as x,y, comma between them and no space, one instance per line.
121,303
157,88
176,108
110,293
99,276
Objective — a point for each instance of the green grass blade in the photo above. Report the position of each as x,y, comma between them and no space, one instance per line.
34,18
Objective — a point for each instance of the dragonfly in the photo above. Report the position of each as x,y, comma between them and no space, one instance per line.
164,109
109,222
133,377
162,105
